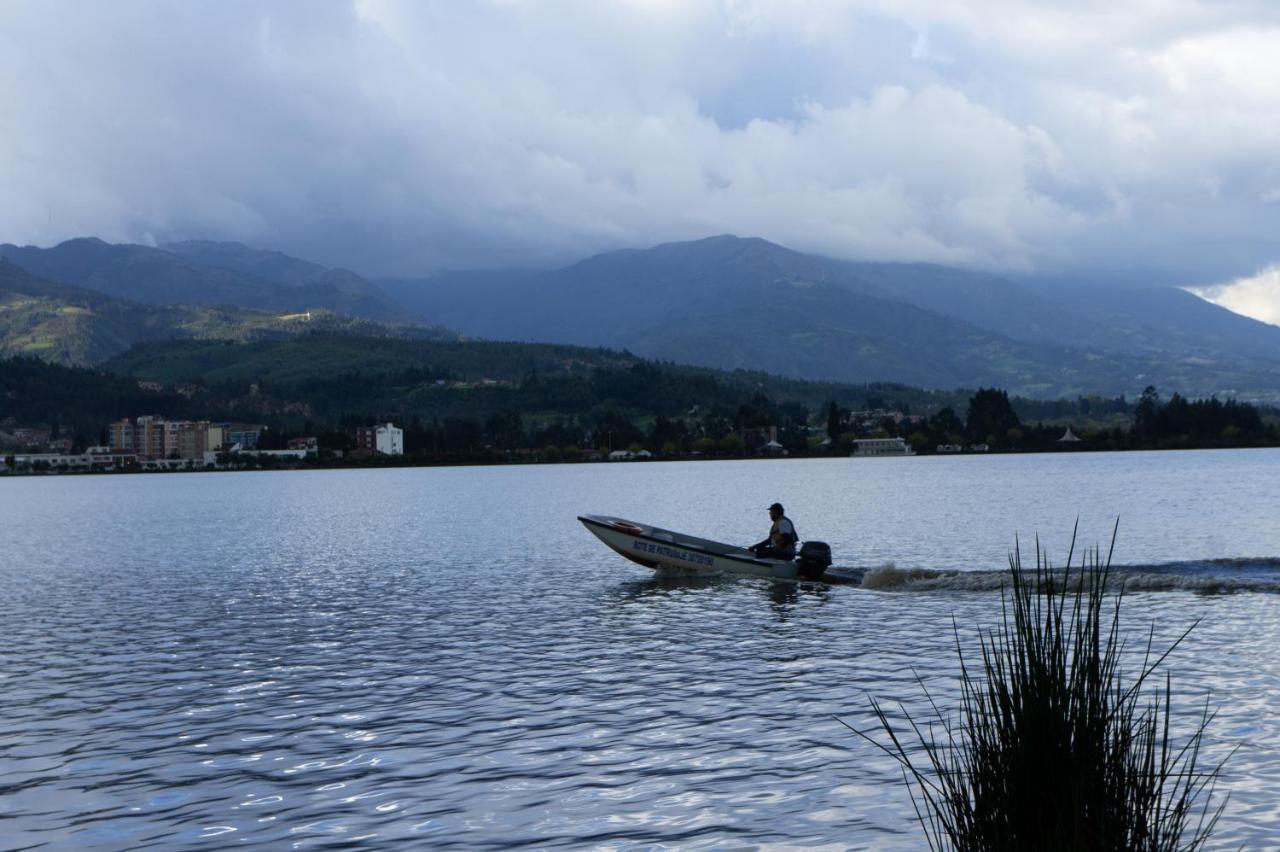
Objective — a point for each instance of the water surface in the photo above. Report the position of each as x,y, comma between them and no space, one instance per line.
445,657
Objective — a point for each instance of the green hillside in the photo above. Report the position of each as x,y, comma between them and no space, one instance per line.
79,402
557,394
75,325
199,273
476,401
420,376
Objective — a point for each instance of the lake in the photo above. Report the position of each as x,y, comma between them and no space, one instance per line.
444,657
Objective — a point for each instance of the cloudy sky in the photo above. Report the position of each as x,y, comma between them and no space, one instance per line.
1138,138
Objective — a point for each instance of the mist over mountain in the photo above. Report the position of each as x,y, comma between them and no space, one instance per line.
204,273
730,302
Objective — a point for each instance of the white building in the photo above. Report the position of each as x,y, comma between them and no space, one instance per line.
384,440
881,447
389,440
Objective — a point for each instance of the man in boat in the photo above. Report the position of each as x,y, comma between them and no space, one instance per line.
781,543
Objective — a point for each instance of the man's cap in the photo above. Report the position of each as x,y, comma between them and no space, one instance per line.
777,506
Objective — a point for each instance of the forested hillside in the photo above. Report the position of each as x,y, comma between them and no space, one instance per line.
205,274
75,325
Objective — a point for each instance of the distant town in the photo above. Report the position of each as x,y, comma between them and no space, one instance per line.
156,443
64,420
152,442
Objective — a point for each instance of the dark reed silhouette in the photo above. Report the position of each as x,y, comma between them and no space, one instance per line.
1054,749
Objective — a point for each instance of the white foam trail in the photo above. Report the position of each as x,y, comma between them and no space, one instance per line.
890,578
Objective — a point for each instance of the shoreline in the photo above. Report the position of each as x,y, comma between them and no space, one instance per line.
398,462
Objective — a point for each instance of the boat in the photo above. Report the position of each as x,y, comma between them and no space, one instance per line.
666,550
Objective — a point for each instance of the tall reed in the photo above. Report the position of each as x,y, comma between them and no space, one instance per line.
1054,749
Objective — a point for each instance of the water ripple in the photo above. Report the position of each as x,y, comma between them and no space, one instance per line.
379,658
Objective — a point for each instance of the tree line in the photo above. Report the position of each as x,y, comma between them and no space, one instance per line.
663,409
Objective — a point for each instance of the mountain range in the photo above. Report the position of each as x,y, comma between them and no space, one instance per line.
722,302
747,303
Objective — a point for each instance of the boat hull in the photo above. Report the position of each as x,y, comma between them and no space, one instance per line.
667,551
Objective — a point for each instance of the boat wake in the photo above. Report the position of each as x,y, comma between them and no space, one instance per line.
1206,577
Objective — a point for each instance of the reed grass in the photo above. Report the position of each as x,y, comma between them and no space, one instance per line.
1054,748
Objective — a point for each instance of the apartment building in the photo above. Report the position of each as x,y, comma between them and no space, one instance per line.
384,439
153,437
173,431
120,436
148,437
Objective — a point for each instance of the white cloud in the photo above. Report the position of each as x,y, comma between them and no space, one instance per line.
1257,296
401,136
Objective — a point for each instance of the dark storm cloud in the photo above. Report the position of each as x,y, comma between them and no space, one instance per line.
402,137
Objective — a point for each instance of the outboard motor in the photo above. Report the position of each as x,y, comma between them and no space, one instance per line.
814,560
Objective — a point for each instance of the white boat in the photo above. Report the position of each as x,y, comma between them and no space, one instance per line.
664,550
